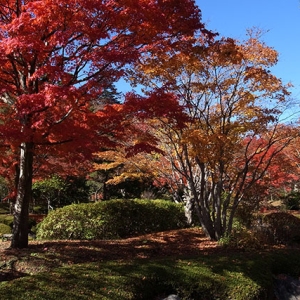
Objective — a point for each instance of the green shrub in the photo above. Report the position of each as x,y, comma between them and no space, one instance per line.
31,223
111,219
7,220
281,227
4,208
242,238
292,201
39,209
4,229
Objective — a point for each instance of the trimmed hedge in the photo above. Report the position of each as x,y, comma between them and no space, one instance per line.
112,219
281,228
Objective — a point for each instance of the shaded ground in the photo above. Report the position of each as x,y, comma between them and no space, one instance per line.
42,256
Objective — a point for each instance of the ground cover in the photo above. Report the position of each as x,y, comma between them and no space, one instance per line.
174,243
146,267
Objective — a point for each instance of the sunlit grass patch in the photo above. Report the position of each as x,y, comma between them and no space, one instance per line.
195,278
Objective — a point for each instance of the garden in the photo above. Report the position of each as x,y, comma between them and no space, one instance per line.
163,256
207,129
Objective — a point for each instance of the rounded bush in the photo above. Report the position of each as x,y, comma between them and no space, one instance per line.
281,227
4,229
111,219
7,220
292,201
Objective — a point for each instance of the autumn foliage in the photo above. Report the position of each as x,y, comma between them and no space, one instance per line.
231,106
208,124
56,58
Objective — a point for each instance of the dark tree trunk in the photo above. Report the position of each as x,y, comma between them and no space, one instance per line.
24,188
105,195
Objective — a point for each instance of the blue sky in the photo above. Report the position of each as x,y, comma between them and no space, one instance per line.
280,19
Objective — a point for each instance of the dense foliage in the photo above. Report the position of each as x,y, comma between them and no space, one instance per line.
57,59
217,137
261,231
111,219
281,228
6,219
292,200
56,192
4,229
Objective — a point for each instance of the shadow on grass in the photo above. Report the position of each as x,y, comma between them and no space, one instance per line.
209,277
114,280
145,268
165,244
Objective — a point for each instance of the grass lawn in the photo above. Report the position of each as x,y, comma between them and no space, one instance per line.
181,262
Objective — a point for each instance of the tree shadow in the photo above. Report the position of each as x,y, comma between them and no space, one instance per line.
164,244
152,265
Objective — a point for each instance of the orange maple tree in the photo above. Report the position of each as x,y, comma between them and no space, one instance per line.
233,103
56,58
136,156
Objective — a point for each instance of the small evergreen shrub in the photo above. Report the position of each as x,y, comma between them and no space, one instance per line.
70,222
4,229
39,209
31,223
111,219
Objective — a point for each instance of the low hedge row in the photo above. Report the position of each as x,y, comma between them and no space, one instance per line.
111,219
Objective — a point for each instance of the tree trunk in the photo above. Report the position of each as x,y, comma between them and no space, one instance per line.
206,222
24,189
201,210
188,207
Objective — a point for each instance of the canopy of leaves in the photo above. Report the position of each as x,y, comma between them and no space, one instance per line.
59,57
229,134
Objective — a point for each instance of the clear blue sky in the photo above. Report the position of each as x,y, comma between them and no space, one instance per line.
279,18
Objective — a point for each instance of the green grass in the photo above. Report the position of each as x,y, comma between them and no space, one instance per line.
238,276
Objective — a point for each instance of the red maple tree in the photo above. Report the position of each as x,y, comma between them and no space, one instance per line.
58,56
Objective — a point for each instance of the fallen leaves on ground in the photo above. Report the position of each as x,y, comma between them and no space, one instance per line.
43,256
